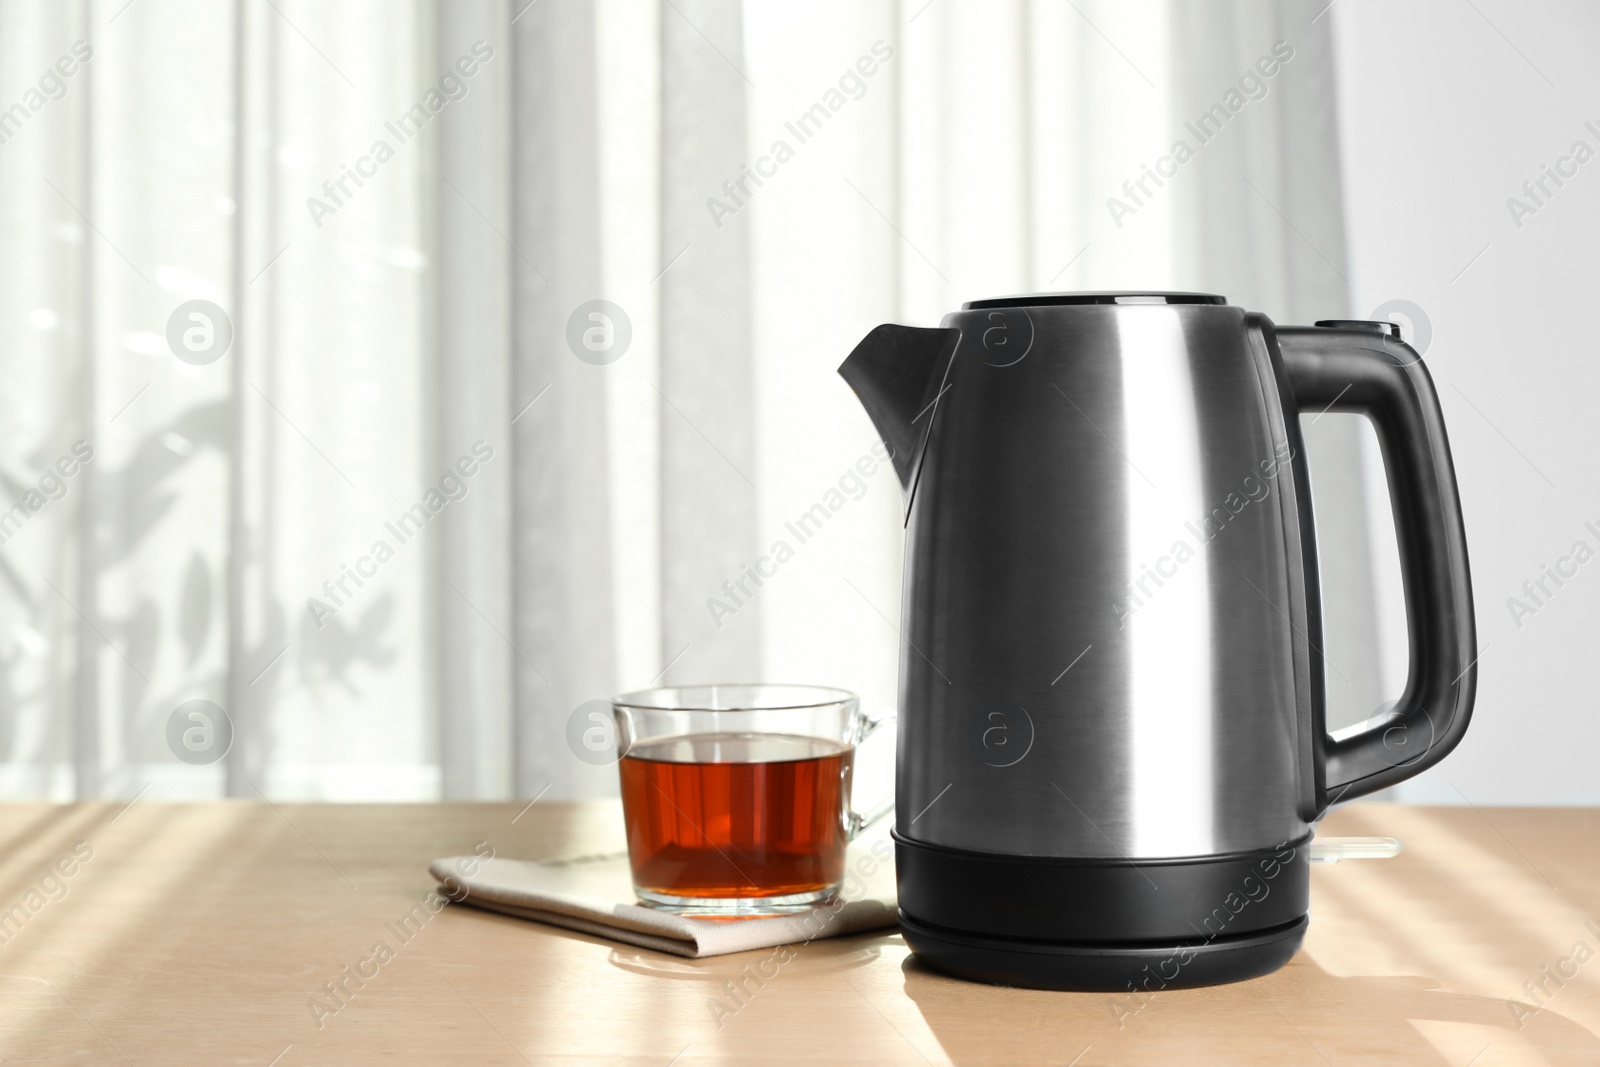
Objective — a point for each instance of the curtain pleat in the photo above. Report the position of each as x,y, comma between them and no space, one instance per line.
255,631
564,629
475,270
88,760
709,474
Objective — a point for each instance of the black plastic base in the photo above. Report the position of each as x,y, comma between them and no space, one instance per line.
1103,968
1054,922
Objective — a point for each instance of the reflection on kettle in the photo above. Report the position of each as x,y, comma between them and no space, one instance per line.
1110,542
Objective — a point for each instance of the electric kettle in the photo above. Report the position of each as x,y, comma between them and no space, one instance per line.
1112,743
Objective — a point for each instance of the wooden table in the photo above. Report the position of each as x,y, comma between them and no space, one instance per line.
201,933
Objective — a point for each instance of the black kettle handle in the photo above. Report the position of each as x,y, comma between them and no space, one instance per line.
1361,367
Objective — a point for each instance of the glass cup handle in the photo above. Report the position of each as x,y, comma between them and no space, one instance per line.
859,821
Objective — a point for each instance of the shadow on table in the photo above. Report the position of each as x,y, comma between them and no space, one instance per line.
839,956
1337,1020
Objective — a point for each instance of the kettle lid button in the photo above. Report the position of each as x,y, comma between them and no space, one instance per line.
1383,326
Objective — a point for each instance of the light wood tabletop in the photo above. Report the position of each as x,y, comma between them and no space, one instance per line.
176,934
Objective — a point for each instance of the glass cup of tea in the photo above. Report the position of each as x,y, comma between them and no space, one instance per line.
737,797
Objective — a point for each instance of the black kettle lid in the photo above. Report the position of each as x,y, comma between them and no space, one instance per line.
1056,299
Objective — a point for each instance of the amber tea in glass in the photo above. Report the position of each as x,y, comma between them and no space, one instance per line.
737,797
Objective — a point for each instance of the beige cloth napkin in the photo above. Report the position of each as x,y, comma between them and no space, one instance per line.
594,895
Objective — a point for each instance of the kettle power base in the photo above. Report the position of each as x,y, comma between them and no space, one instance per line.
1058,922
1100,968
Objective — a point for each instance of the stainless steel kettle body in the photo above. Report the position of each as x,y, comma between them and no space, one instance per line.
1112,746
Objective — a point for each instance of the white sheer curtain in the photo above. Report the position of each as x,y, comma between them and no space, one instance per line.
176,166
386,328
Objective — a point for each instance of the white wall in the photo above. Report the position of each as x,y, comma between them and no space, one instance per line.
1446,108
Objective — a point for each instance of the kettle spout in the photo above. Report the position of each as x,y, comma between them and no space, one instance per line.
896,372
